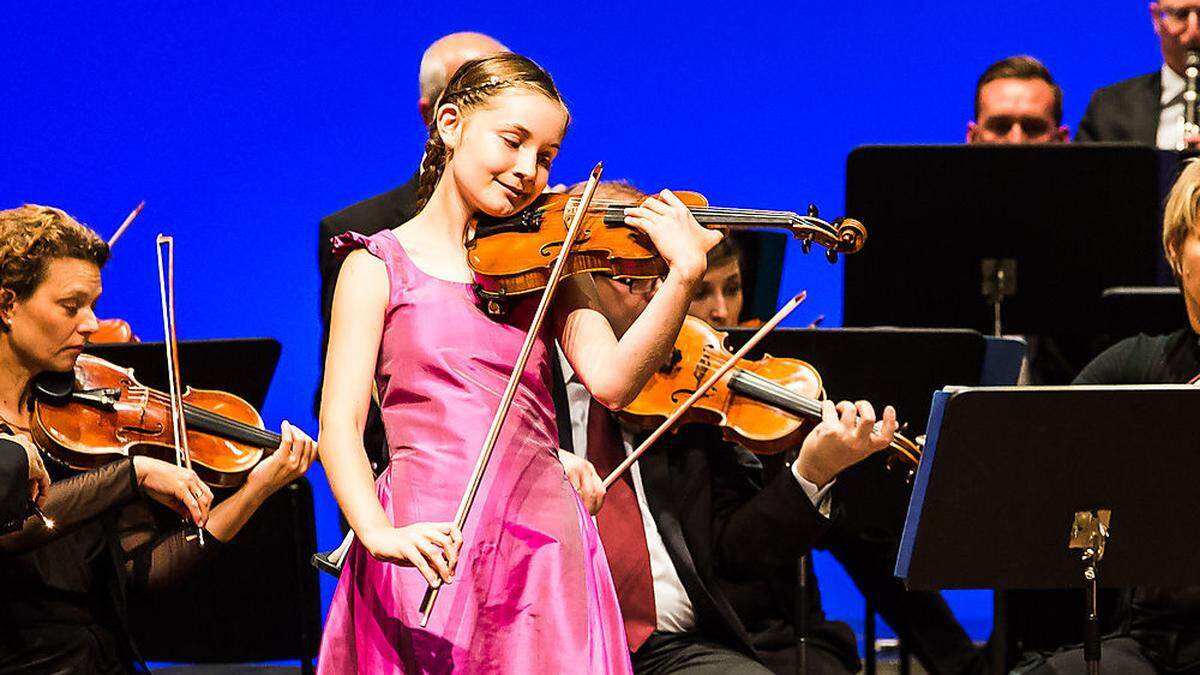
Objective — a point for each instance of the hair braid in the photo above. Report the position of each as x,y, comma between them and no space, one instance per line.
431,167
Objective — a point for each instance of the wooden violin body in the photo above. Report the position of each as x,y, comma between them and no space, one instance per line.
511,257
767,405
113,330
100,413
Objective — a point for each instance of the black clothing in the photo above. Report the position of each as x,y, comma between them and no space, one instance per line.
62,591
1126,111
14,485
717,520
1160,626
691,653
367,217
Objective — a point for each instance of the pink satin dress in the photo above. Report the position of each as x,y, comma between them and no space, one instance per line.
532,592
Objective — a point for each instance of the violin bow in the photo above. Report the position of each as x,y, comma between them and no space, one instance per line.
489,444
112,241
166,291
703,389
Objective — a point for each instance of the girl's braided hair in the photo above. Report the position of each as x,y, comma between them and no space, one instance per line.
472,86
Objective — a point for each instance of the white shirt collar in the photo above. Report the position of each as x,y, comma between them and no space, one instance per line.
1173,85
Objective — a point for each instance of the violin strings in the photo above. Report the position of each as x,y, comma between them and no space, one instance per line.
605,204
805,404
201,414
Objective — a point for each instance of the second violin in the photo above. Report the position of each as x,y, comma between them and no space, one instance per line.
766,405
100,412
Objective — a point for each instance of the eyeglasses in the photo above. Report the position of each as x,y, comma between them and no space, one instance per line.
637,286
1033,127
1177,17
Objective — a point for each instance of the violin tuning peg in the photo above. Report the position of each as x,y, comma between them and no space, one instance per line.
806,246
812,211
831,255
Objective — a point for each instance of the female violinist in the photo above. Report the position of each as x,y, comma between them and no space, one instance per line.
405,317
62,590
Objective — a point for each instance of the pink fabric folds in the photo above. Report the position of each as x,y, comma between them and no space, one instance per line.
532,592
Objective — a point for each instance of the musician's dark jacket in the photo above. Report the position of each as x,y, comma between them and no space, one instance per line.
63,591
381,212
713,515
1127,111
14,481
1164,622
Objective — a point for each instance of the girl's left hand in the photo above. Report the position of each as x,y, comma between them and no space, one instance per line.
289,462
680,240
584,478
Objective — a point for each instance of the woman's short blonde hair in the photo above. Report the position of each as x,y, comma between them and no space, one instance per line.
30,237
1182,214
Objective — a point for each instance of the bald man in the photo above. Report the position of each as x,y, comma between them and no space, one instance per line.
395,206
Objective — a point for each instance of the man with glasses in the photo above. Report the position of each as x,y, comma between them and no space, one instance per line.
1017,101
1149,108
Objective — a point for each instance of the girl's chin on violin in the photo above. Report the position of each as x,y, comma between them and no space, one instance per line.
504,199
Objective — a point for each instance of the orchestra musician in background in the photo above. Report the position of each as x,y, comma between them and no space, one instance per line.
63,590
1017,101
693,523
1149,108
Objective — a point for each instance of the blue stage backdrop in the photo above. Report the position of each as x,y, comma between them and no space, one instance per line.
241,124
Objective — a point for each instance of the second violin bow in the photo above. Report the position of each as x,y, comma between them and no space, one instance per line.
703,389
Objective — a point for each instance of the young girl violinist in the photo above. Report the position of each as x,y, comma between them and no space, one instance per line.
530,589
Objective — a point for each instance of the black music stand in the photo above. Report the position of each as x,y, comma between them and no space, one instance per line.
1074,219
1006,470
1153,310
258,600
242,366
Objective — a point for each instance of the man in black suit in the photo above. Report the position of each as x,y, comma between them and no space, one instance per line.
22,478
691,509
1149,108
395,206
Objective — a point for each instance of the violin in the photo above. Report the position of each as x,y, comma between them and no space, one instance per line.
113,330
100,412
767,405
511,256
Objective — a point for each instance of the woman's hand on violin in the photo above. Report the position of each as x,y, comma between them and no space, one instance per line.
175,487
430,547
846,435
584,478
680,240
290,461
39,480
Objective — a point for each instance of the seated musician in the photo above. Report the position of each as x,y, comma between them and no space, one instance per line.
687,511
767,605
1017,101
1160,628
62,590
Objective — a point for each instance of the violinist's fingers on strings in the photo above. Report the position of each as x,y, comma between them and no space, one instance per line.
866,420
671,199
657,205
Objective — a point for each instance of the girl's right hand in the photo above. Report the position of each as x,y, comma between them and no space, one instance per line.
177,488
430,547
